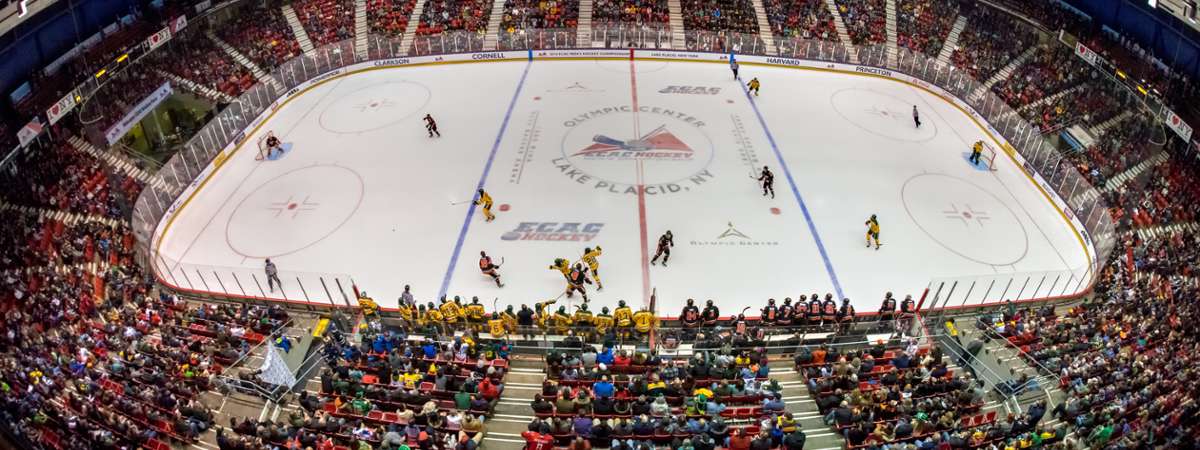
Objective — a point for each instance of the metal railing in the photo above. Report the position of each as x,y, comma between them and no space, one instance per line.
226,131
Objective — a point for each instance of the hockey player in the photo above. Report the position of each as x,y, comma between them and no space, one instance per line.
814,310
754,85
485,201
800,311
829,310
589,257
711,314
576,281
769,313
562,321
785,313
887,309
908,308
435,318
490,269
976,152
845,316
690,316
916,117
431,126
451,312
496,327
624,317
407,315
368,305
583,322
873,231
768,181
273,145
643,321
510,319
475,314
543,316
665,242
603,322
562,266
733,65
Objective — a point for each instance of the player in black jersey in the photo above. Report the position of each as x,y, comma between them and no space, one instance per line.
770,313
431,126
711,314
768,181
576,280
489,268
690,316
665,242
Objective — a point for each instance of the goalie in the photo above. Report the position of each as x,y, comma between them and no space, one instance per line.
976,152
274,146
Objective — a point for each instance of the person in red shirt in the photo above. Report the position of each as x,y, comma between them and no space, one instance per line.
488,390
537,441
622,360
739,440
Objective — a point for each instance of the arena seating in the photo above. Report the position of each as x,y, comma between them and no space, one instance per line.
720,15
527,14
1118,149
451,15
650,12
804,19
923,25
389,17
866,20
260,32
121,93
200,60
990,41
326,21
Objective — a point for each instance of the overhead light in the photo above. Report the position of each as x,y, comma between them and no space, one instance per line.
101,73
123,57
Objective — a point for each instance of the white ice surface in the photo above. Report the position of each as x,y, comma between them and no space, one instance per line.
364,194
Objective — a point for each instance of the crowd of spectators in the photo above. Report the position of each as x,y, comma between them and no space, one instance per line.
454,15
990,41
326,21
1051,69
923,25
199,59
638,12
1170,194
720,15
1116,150
65,178
866,20
802,19
259,31
120,93
389,17
539,14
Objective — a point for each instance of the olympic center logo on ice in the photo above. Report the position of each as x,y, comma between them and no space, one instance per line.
614,149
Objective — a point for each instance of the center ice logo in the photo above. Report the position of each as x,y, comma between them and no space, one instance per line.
608,149
659,144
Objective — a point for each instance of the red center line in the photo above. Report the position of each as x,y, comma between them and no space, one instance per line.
641,189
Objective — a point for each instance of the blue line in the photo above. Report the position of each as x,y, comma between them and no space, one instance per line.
812,227
462,234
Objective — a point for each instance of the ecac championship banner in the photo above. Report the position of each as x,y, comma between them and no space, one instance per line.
136,114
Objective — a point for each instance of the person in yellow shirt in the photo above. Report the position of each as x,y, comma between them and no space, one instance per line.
589,257
603,322
624,317
754,85
873,231
562,321
543,317
406,315
450,312
643,321
434,317
368,305
497,327
475,314
583,322
485,201
976,152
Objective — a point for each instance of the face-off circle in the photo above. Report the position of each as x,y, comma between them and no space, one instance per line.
881,114
965,219
292,211
671,145
375,107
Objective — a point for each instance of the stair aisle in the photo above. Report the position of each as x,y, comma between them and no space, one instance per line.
254,69
410,31
678,38
843,35
293,21
1006,71
492,38
584,36
764,27
360,30
892,33
952,40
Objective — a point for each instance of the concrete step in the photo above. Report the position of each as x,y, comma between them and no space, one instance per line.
764,27
892,33
1156,231
492,38
197,88
298,31
1132,173
840,25
253,67
1103,127
584,30
1005,71
410,31
360,30
1046,100
675,13
952,40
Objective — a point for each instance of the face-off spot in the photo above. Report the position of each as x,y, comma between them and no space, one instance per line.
505,207
965,219
881,114
775,211
292,211
375,107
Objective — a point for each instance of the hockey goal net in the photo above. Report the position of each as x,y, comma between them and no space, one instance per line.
987,158
264,150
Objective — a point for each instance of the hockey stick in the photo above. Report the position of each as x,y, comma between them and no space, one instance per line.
460,203
495,309
501,262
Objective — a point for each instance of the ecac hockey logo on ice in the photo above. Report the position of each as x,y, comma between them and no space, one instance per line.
611,150
554,231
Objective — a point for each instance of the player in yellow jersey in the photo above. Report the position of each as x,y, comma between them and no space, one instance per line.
873,232
561,265
583,322
485,201
543,317
510,319
976,151
589,257
603,322
406,314
435,318
624,318
451,312
368,305
475,314
754,85
643,320
562,321
496,327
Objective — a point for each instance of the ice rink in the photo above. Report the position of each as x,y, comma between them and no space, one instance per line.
563,147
